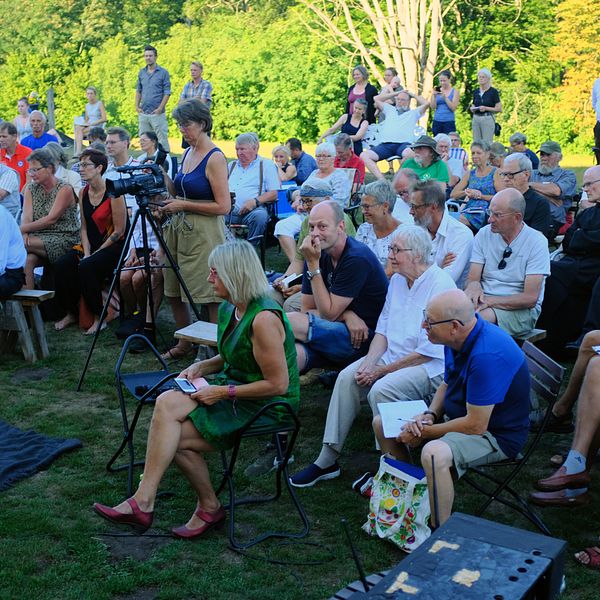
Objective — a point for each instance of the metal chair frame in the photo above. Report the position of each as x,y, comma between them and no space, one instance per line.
546,379
154,383
251,430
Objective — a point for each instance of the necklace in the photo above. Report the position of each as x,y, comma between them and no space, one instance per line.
236,314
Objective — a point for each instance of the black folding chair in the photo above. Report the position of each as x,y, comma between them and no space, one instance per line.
252,429
144,387
546,379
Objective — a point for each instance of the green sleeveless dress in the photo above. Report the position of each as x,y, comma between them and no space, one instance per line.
218,423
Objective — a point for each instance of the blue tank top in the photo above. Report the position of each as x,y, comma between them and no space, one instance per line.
194,185
442,113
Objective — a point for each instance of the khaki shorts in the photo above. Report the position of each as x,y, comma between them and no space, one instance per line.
517,322
472,450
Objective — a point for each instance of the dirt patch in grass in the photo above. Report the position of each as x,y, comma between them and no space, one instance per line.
141,594
137,547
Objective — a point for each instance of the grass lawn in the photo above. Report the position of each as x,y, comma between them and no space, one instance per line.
53,546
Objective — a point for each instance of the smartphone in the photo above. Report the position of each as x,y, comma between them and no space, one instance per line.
185,386
438,88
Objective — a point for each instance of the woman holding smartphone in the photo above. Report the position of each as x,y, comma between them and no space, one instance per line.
444,102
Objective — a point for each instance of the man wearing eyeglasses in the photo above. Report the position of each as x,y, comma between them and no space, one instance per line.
516,174
480,413
509,264
574,279
556,184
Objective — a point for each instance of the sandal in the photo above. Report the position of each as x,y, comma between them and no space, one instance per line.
593,557
176,353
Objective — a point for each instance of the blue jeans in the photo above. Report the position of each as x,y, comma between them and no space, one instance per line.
328,343
256,221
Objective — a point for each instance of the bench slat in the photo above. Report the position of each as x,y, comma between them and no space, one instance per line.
33,295
200,332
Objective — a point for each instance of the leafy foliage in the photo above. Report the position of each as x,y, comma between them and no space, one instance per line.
275,75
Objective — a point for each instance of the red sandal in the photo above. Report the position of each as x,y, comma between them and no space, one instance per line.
211,520
593,555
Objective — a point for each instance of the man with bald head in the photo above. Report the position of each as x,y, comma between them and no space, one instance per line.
480,413
343,291
509,264
39,138
573,289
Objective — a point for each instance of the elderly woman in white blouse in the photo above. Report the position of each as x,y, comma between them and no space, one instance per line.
380,227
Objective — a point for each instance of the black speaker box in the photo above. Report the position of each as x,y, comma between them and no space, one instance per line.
473,558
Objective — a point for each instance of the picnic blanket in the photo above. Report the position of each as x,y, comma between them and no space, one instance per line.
23,453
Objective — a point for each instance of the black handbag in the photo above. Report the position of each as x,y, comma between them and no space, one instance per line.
497,129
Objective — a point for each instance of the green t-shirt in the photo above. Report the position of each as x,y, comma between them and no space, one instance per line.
350,230
437,170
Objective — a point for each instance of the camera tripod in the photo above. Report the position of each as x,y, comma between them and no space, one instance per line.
143,214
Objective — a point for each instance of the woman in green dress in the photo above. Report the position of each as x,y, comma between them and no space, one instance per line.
256,365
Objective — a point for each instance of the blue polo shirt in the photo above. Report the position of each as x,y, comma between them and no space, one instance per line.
490,369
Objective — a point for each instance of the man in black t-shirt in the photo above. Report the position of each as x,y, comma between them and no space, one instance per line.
343,292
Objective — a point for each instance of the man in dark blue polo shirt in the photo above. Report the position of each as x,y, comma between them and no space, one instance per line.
484,398
343,292
152,93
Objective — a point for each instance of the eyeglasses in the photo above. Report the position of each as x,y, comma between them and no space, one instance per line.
83,165
506,254
33,171
415,206
306,200
403,194
429,324
490,213
509,175
368,206
587,184
323,156
395,250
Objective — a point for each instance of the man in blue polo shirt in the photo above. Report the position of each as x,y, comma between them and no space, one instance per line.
480,413
343,292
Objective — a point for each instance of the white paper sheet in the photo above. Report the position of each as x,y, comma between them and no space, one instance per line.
394,415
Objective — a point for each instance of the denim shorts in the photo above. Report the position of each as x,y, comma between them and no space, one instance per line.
329,343
389,149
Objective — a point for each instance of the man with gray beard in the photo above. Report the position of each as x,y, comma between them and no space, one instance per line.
557,185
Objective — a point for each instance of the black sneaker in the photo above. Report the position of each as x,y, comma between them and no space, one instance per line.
555,424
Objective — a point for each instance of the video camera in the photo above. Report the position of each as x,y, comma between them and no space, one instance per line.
140,184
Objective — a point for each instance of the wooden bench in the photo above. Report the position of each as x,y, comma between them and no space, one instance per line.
30,333
535,335
200,332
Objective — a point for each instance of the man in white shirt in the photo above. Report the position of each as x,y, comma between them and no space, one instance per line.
452,241
403,180
117,149
12,256
509,264
254,181
397,132
401,363
9,191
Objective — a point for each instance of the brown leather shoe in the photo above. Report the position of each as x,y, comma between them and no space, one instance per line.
559,480
559,499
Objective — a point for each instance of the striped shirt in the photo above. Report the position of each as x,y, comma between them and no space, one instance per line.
9,182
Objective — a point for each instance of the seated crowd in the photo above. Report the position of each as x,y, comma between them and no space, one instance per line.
417,302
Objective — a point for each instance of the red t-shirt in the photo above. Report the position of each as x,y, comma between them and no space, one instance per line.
354,163
18,162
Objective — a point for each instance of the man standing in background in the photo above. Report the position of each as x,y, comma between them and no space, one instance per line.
151,96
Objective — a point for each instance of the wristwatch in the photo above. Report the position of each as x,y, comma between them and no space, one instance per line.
311,274
256,202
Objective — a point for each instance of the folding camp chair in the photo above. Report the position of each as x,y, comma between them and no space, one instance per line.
254,428
546,379
144,387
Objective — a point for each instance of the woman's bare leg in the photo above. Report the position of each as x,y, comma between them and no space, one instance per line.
183,318
171,410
